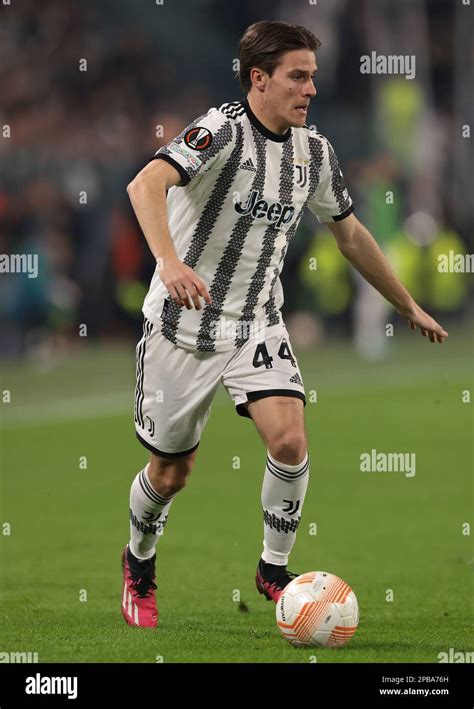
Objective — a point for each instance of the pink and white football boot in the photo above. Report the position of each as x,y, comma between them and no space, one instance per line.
138,596
271,580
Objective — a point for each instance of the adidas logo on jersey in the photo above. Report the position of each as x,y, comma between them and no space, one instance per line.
248,165
296,379
276,213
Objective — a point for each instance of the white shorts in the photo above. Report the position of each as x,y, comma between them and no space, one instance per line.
175,387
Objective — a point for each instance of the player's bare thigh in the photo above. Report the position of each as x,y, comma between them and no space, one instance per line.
280,422
169,475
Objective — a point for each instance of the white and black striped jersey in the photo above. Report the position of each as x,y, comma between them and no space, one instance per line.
242,194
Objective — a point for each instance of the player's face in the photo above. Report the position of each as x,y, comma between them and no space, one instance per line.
290,89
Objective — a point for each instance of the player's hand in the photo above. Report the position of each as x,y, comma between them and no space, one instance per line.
183,284
418,318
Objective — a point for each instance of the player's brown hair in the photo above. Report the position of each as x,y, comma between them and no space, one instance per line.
263,44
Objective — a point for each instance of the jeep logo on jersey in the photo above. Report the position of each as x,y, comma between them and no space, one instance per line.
198,138
276,213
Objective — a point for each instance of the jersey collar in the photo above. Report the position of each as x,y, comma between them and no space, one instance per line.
263,129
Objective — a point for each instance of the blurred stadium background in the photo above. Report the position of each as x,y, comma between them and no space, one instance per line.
90,131
71,142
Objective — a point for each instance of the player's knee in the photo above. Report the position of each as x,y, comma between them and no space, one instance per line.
171,482
169,476
289,448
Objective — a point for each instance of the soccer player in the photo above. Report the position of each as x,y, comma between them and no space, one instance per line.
218,206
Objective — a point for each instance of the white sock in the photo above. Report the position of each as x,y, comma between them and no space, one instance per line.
148,516
283,493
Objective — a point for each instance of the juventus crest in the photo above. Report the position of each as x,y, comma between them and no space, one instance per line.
301,175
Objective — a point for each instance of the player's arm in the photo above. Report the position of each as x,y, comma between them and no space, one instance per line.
147,192
359,247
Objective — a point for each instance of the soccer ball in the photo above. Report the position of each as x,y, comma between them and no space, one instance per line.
317,609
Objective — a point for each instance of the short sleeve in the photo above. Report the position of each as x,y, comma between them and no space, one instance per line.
205,142
331,201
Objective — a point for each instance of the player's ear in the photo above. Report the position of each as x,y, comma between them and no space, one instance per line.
258,78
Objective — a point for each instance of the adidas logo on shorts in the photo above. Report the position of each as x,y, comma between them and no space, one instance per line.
296,379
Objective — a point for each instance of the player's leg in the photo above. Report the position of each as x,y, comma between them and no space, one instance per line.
173,397
169,475
280,423
151,495
266,385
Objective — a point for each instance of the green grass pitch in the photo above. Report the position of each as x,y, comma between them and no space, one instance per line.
378,531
